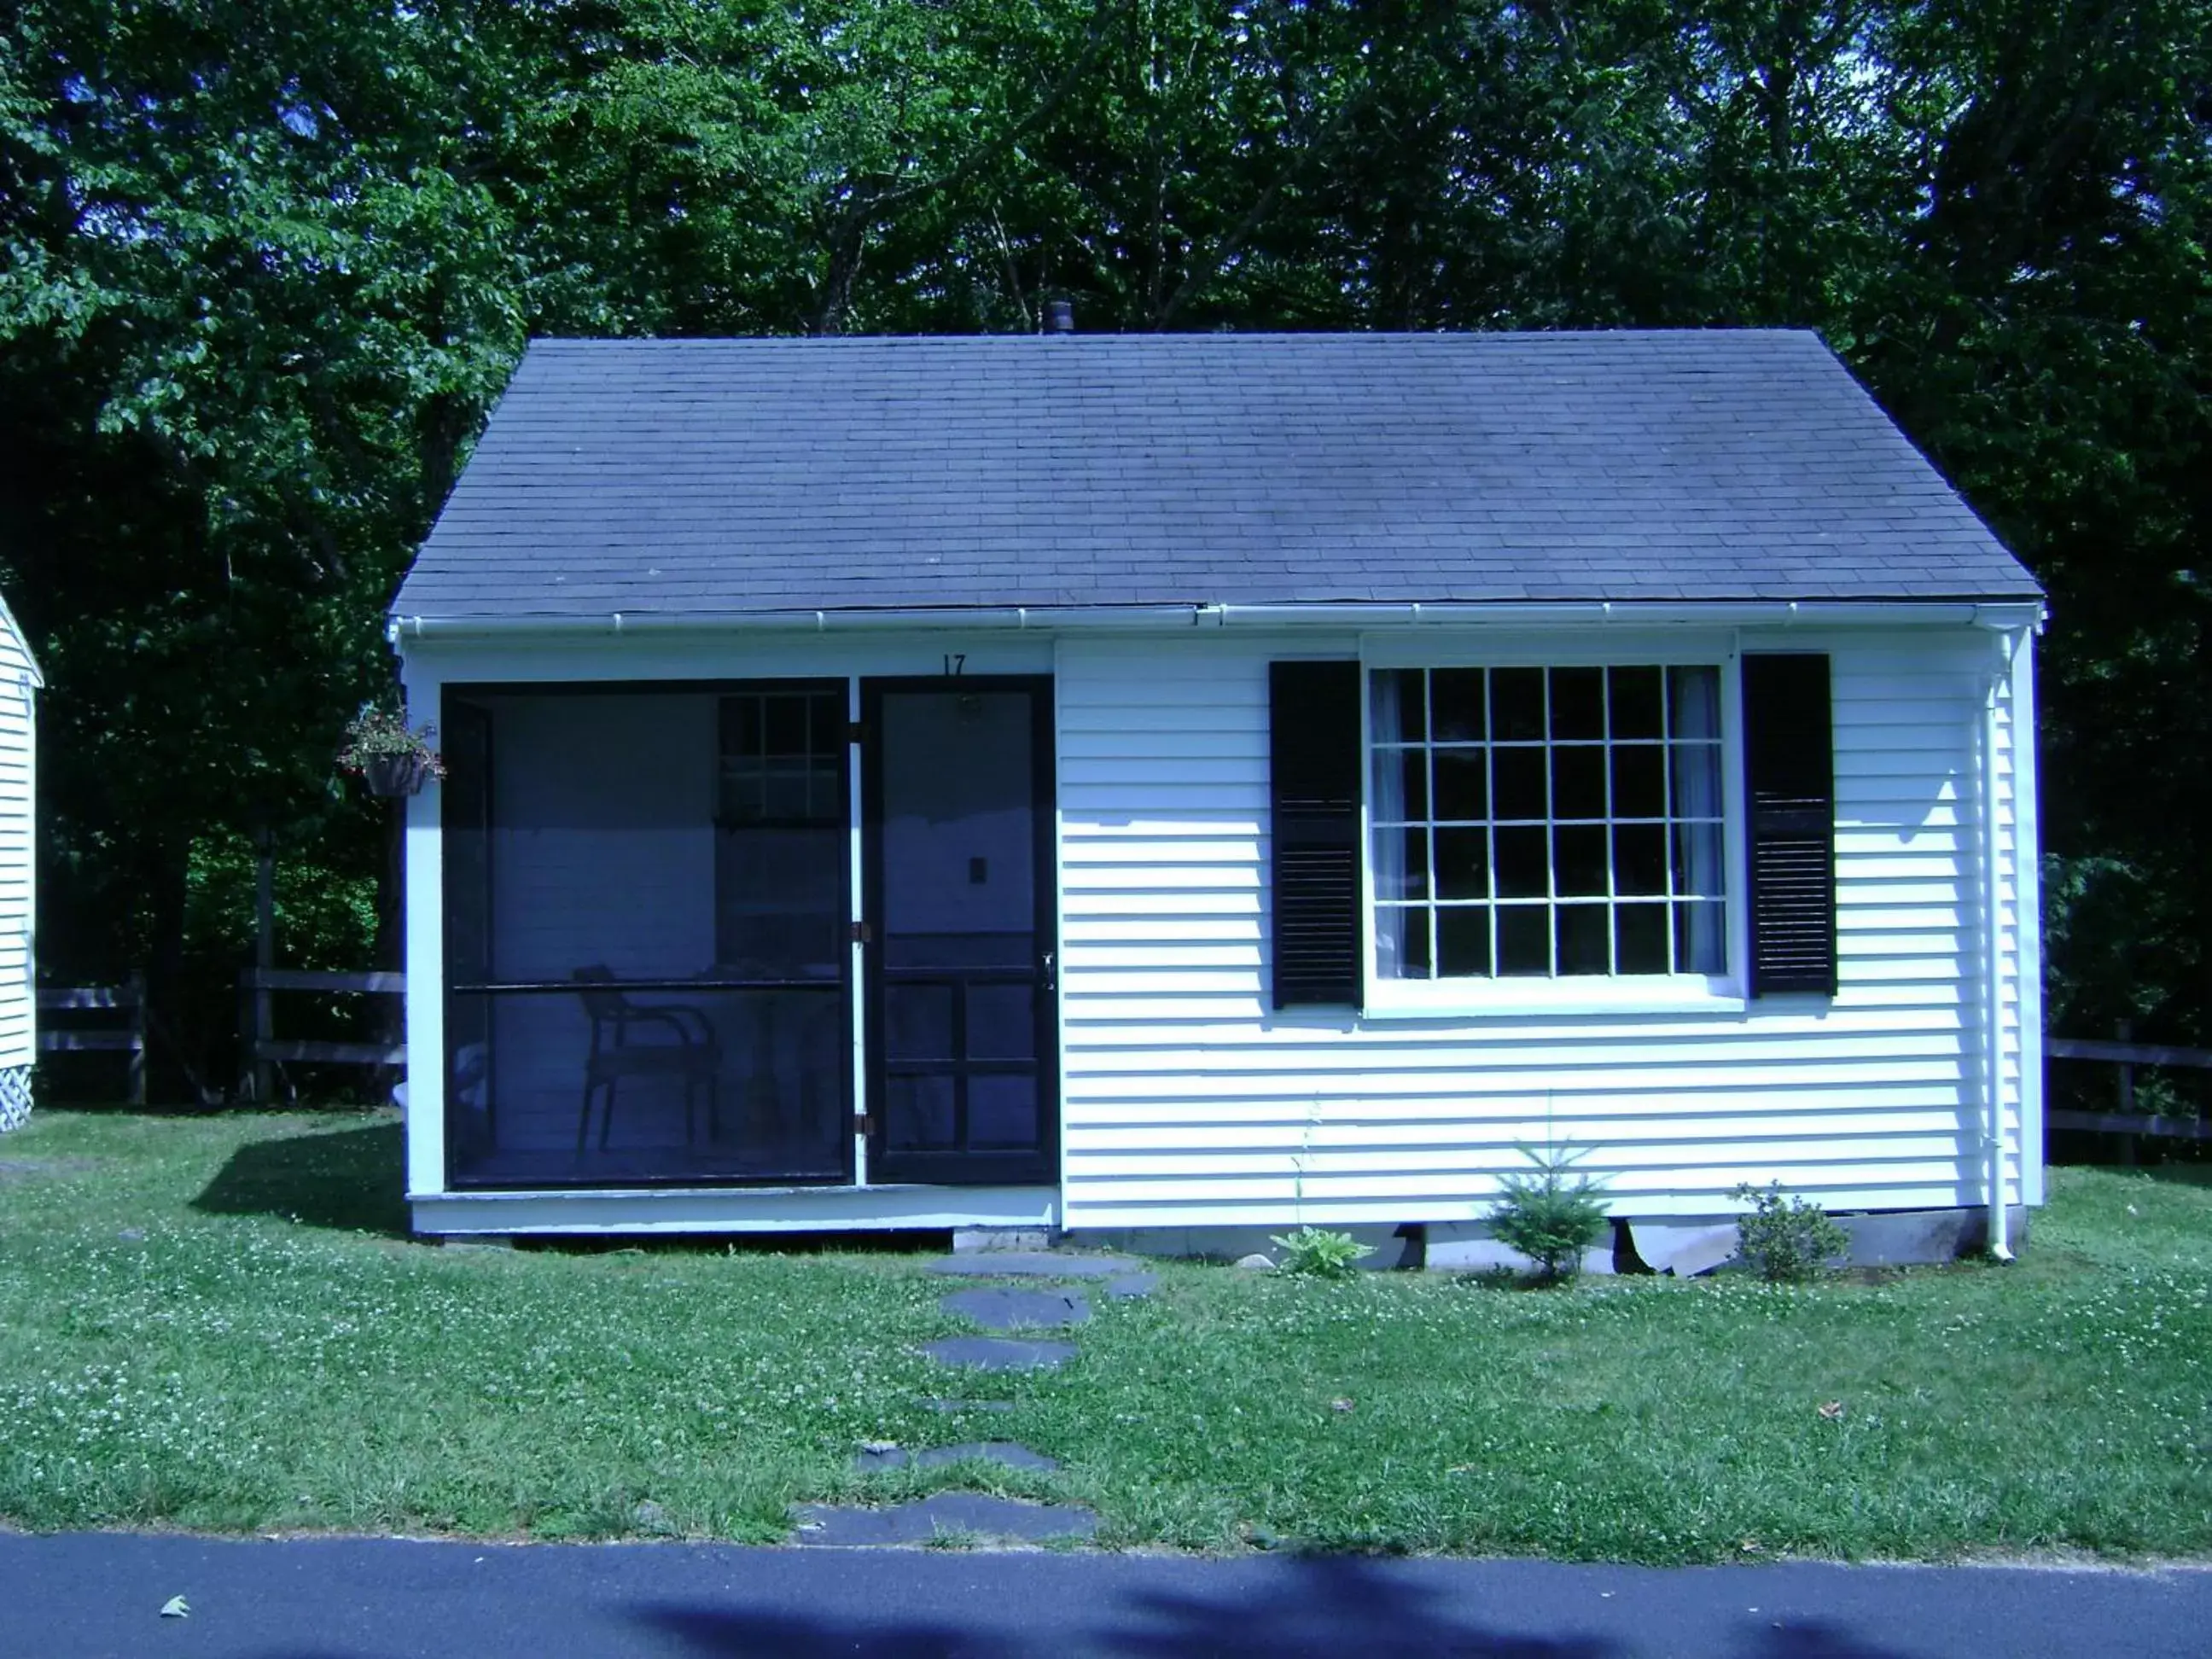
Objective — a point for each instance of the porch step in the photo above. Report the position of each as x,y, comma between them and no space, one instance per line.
1033,1264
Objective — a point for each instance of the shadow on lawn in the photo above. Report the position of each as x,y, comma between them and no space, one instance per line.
1327,1606
350,1179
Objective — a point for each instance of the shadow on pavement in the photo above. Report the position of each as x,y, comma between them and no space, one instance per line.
1331,1607
1314,1608
350,1179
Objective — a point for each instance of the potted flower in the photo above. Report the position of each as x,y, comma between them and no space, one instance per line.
391,757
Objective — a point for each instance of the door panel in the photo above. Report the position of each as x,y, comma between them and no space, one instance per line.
960,1053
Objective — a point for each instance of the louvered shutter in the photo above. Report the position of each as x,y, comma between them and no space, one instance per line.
1314,792
1789,763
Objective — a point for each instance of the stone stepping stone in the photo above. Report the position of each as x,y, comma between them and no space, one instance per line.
1130,1286
1032,1264
1008,1453
952,1408
1002,1310
1000,1353
956,1512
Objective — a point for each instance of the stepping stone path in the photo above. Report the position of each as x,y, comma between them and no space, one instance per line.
1000,1353
942,1512
1004,1452
997,1308
1000,1309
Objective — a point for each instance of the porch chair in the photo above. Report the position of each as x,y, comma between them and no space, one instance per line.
691,1053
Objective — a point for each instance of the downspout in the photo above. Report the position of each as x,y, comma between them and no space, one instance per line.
2007,643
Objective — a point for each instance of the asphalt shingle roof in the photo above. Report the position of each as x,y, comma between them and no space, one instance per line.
721,476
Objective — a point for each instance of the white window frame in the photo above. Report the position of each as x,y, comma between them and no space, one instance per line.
1576,993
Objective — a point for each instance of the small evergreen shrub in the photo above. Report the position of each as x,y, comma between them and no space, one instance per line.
1319,1252
1551,1215
1786,1240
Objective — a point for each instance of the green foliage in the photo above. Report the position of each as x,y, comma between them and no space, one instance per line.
1786,1240
1320,1253
1551,1215
263,269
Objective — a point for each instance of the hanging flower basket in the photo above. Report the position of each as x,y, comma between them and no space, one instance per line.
392,758
394,775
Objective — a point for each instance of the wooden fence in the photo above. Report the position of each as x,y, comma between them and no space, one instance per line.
124,1008
264,1050
2125,1120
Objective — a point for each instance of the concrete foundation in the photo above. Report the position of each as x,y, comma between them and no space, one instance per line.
1684,1245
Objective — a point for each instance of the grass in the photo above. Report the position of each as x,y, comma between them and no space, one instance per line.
218,1324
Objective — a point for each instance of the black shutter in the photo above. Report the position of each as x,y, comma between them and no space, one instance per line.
1790,768
1314,747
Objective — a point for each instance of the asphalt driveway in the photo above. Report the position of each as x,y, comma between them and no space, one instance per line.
101,1594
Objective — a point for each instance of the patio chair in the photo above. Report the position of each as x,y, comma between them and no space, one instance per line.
689,1051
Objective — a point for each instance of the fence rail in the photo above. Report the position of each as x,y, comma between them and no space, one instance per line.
265,1050
2126,1121
127,999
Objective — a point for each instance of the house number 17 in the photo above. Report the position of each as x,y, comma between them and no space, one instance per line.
954,664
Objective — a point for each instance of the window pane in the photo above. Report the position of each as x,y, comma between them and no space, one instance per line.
1002,1022
1639,858
741,726
1462,941
1578,859
1401,942
1577,703
1002,1112
1524,939
1401,785
1693,702
1640,938
1697,772
1523,861
1462,783
1583,938
1401,863
1698,860
918,1022
1394,696
1578,782
1700,946
787,725
1457,695
1463,864
918,1113
1639,788
1519,774
1635,700
1519,714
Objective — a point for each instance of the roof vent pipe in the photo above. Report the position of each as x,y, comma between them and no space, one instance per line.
1059,317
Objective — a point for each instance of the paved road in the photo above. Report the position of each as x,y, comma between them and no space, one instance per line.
61,1597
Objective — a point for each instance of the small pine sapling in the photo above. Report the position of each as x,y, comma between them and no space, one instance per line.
1552,1214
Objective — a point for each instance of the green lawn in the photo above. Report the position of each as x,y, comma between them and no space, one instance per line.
216,1324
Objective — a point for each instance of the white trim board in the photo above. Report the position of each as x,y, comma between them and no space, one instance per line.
735,1210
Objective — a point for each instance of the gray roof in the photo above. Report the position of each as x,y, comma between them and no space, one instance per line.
721,476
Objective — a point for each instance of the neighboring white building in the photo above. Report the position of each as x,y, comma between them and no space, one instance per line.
1212,781
19,1002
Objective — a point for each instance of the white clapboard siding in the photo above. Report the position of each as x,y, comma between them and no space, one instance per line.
19,680
1188,1101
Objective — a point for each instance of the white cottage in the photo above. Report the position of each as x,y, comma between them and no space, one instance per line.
18,1000
1212,781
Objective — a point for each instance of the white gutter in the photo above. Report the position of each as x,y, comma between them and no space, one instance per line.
1335,614
2007,644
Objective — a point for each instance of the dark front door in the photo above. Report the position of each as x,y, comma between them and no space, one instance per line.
960,1007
